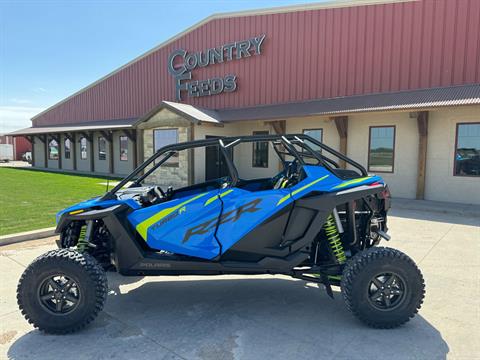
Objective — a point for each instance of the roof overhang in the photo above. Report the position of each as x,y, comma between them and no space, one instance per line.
80,127
410,100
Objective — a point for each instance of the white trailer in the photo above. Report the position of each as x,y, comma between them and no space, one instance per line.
6,152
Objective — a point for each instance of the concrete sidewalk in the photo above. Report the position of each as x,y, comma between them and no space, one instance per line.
240,317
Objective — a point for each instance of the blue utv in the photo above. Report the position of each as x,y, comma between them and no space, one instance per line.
319,219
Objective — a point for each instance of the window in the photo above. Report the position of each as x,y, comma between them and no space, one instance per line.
317,134
83,148
381,150
102,148
164,137
68,148
123,148
53,150
467,150
260,151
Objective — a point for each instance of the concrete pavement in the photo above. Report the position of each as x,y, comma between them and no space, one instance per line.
258,317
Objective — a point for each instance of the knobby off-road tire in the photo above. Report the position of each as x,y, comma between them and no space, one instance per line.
62,291
382,287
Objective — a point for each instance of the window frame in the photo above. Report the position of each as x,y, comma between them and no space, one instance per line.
303,132
98,149
370,143
321,140
50,152
260,132
120,147
86,148
457,125
167,164
65,151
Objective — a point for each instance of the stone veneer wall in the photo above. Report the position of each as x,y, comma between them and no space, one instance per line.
168,175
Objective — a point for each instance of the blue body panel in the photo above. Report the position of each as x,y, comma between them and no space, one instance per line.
206,225
168,232
264,206
96,203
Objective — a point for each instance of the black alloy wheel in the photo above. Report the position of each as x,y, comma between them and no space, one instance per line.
382,287
62,291
386,291
59,294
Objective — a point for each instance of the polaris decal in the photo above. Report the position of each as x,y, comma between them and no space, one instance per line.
230,216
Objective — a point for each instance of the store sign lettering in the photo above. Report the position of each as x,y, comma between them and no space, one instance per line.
181,64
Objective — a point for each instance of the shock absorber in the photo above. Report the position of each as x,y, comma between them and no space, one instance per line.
82,244
84,237
333,238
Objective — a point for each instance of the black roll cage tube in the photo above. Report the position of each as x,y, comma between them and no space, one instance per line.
224,143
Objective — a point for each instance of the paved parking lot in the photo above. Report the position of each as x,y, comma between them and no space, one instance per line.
261,317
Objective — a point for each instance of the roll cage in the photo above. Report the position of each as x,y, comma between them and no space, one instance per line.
294,145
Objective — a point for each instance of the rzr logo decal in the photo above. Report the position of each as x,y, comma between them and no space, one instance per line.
231,216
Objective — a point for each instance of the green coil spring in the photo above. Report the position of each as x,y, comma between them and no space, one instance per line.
333,238
82,244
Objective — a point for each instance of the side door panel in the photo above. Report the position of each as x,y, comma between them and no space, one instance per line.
167,226
244,210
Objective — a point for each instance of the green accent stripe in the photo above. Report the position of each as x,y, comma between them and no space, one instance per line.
142,228
286,197
351,182
213,198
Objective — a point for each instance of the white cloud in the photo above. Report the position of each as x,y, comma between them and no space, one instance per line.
39,90
20,101
16,117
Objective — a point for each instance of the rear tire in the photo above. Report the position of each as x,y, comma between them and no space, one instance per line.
382,287
62,291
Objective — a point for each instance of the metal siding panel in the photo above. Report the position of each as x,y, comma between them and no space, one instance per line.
446,53
299,64
416,46
395,64
377,52
329,35
321,54
344,47
387,45
461,37
405,46
335,53
307,55
368,55
361,35
350,52
310,73
472,46
425,54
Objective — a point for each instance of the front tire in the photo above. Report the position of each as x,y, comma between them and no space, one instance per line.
62,291
382,287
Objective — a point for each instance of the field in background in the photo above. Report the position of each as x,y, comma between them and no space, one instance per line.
29,199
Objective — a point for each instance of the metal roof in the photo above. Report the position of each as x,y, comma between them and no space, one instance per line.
88,126
402,100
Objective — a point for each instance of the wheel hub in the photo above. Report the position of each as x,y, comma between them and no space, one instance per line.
59,294
386,291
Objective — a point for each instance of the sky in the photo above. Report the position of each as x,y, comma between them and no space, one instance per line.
51,49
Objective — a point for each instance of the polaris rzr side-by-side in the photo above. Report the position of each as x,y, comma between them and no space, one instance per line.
313,220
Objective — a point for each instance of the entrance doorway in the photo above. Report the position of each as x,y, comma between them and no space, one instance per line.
215,166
